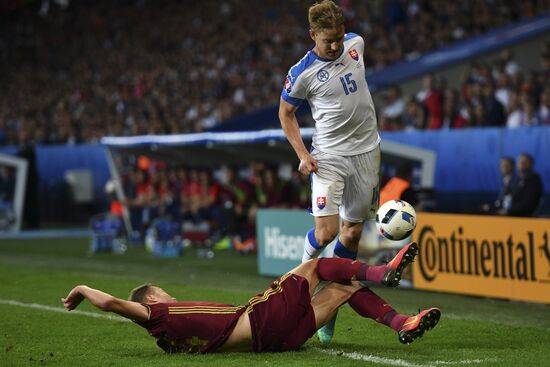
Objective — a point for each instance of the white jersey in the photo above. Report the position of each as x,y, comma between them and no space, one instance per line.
340,101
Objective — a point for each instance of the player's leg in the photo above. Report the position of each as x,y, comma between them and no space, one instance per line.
320,236
345,271
346,247
327,187
368,304
360,197
348,241
326,302
359,202
333,182
308,270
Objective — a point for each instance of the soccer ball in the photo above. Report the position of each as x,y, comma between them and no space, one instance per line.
396,220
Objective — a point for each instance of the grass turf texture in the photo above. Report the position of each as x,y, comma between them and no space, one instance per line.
472,330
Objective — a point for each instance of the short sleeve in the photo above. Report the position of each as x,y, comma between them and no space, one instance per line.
294,91
157,316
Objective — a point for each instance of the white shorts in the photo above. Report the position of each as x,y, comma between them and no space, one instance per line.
347,185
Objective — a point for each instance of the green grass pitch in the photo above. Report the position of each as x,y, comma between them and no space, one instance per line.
472,331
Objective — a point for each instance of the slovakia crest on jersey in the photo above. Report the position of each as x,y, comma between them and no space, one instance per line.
354,54
287,85
321,202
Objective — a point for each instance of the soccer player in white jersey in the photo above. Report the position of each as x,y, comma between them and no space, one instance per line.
344,162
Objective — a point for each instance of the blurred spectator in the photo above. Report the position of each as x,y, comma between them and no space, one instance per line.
164,193
399,187
544,109
393,108
414,117
116,209
529,116
502,92
494,110
509,184
515,114
300,191
431,99
527,198
510,65
394,105
451,113
140,200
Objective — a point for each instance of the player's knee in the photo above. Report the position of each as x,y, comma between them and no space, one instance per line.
351,235
324,236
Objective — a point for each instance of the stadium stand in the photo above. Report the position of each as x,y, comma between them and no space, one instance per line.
497,94
175,72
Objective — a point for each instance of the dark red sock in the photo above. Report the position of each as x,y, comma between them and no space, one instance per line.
341,270
368,304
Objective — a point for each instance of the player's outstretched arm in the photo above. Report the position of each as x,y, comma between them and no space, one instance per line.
289,123
105,302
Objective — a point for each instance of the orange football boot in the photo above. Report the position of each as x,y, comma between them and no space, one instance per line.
415,326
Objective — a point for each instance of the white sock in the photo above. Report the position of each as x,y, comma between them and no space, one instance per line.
311,248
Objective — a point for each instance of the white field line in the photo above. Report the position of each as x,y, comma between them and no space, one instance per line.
62,310
399,362
464,361
354,356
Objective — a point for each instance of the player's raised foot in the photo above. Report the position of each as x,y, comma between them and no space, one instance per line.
326,332
394,269
415,326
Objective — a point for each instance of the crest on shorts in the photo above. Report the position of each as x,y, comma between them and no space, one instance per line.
288,85
354,54
321,202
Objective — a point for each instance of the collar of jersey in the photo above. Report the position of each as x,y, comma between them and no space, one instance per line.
327,60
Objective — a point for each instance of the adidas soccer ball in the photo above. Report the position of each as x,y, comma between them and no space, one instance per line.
396,220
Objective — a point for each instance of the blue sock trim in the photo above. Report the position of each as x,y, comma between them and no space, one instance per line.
343,252
312,240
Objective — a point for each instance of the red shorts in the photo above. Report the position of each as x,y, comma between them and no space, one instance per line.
282,318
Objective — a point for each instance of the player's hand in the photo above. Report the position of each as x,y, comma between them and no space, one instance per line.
308,165
73,299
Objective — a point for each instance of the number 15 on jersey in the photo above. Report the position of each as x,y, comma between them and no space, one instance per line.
349,84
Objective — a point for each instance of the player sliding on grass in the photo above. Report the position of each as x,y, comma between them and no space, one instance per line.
282,318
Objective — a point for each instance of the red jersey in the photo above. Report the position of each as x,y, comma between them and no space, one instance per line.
191,327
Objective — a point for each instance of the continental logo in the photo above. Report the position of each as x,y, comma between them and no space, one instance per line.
513,256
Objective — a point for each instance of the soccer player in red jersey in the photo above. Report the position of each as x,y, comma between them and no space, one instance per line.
282,318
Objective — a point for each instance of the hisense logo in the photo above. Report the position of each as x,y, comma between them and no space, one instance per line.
513,258
281,246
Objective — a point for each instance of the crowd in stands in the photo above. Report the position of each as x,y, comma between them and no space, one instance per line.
74,71
497,94
225,206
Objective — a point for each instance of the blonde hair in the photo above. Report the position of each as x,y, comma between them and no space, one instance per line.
138,294
324,15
